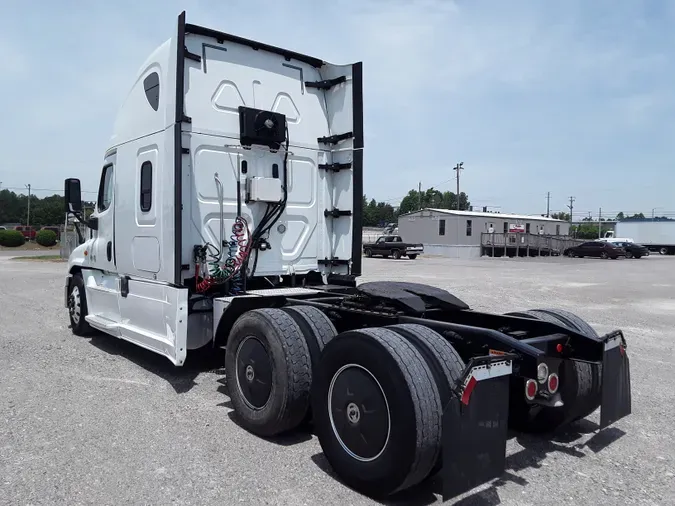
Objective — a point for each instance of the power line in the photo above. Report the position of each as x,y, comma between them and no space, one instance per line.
42,189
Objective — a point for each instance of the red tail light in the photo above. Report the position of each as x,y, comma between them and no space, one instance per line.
530,389
553,383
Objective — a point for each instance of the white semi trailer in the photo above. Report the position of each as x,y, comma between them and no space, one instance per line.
656,235
229,215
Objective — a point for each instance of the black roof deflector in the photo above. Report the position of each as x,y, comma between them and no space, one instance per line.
221,37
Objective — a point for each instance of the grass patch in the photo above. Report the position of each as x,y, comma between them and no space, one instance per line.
42,258
30,246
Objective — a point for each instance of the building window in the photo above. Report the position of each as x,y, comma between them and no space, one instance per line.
151,87
468,228
527,228
441,227
506,227
557,230
146,186
105,189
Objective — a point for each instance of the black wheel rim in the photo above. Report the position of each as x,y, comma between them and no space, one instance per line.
254,373
359,413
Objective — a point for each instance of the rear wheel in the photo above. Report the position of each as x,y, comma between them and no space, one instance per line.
629,254
396,254
369,253
663,251
377,411
317,330
580,383
443,360
269,373
412,257
604,255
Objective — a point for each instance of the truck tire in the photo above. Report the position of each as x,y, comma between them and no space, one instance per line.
443,360
663,251
377,411
269,371
412,256
396,254
77,306
316,328
580,382
369,252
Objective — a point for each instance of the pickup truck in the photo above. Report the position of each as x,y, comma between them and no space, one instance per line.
392,245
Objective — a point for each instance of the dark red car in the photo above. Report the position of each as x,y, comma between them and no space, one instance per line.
28,232
598,249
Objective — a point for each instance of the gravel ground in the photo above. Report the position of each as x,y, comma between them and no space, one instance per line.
100,421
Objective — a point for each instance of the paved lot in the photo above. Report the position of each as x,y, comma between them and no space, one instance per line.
99,421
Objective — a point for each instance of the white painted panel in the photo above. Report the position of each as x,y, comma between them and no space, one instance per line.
145,251
154,316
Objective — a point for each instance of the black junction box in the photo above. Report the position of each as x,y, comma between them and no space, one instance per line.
264,128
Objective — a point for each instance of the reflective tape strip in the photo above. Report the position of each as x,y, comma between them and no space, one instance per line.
612,343
494,370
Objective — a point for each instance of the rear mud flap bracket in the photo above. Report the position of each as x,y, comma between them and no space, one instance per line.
475,425
616,393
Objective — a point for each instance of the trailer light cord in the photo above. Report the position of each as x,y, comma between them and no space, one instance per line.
239,248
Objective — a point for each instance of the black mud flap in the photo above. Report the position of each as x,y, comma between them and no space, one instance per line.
475,426
616,396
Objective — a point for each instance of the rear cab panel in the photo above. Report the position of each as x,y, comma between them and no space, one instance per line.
223,73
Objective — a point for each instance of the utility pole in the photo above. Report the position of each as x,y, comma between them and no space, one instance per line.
28,219
548,204
571,207
600,223
458,168
419,192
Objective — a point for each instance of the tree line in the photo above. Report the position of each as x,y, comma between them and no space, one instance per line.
380,213
43,211
589,229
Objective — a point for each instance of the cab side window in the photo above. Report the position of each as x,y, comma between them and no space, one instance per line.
105,190
146,186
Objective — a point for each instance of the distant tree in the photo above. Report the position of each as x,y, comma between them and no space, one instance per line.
561,216
377,213
433,198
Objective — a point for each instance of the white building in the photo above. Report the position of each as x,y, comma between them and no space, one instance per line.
458,233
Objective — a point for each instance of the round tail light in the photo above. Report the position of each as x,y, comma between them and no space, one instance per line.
553,383
530,389
542,373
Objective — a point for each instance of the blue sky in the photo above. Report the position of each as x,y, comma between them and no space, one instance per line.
573,97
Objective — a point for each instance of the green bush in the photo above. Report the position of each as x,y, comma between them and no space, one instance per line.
45,238
11,238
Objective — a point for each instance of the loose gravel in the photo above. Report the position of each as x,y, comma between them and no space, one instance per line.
100,421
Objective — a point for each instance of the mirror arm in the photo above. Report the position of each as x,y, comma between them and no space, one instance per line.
80,219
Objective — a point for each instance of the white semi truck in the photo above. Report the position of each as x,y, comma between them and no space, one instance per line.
229,215
656,235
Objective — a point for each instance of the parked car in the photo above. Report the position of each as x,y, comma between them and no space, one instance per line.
633,250
28,232
392,245
596,249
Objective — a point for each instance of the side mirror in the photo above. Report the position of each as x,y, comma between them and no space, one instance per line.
73,196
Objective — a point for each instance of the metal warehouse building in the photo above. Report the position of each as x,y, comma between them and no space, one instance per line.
464,233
